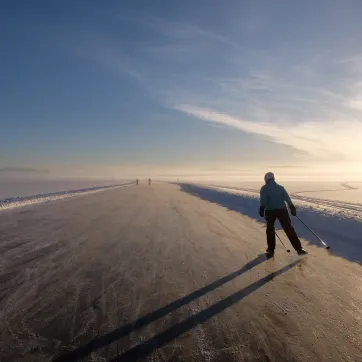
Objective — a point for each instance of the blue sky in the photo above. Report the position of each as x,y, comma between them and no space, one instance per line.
125,87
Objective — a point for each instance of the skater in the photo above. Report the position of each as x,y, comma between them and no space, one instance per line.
149,181
137,182
272,206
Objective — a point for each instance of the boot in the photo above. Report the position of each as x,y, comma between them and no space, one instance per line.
270,252
302,252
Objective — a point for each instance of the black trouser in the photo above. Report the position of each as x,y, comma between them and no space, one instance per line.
283,216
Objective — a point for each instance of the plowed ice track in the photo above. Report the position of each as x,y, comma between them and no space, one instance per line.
152,273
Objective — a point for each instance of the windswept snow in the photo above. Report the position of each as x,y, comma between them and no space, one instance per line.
12,202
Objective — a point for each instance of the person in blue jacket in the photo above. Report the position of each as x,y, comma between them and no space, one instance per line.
273,200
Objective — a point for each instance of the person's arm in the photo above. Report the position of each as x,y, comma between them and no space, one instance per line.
288,200
262,202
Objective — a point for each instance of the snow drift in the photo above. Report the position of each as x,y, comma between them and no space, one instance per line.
13,202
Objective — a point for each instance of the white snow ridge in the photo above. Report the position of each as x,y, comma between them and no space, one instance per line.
14,202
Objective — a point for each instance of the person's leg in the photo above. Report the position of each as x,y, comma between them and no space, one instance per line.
286,224
270,230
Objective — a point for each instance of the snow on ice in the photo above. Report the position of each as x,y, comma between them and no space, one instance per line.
12,202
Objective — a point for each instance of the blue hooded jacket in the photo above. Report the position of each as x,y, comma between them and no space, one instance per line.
274,196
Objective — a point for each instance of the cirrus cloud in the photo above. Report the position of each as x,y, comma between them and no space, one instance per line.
333,140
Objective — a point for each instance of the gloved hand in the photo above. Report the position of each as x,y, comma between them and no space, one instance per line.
262,211
293,210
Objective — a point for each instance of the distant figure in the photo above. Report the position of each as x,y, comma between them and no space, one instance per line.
272,206
137,182
149,181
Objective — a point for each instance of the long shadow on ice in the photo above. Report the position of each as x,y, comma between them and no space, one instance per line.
147,347
144,349
344,235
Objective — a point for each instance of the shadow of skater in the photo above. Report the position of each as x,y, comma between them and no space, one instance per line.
123,331
147,347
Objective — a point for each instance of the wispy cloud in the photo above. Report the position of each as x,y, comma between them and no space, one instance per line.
111,58
98,47
335,139
255,81
187,31
349,60
355,103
